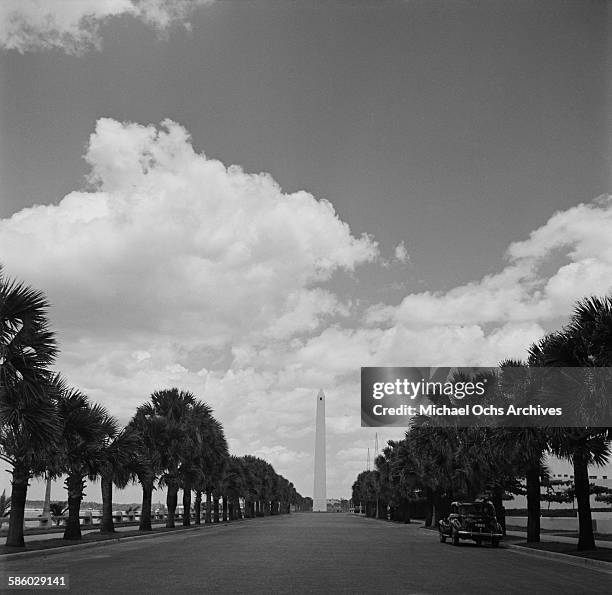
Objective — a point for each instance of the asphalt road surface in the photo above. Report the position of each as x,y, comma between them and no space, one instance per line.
309,553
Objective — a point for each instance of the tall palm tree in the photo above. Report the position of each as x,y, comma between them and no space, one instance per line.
171,407
207,452
585,342
181,438
365,491
150,431
402,478
29,424
436,465
87,429
583,447
247,493
524,447
120,464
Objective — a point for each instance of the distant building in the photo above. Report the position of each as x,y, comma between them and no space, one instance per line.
337,505
562,470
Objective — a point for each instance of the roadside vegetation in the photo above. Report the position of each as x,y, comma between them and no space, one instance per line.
49,429
433,466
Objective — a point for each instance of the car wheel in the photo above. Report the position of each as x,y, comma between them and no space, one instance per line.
442,537
495,543
478,541
455,537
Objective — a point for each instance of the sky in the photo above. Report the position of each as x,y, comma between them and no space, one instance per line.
252,200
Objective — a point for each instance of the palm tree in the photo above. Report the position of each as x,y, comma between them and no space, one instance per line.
181,440
169,408
582,447
247,491
120,464
57,509
87,429
365,490
251,488
523,448
435,465
585,342
150,430
401,478
29,424
207,453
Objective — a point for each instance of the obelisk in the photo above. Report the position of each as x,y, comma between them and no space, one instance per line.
320,481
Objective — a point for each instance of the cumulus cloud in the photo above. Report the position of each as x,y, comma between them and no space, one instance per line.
173,242
175,270
74,25
576,243
401,254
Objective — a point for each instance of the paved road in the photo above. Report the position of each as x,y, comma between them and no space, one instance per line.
310,553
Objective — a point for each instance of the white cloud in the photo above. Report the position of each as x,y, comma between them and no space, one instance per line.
401,254
74,25
177,244
174,270
523,292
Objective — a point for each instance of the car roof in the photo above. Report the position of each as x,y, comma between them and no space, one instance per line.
468,503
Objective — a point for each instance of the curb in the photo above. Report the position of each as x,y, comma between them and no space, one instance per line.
43,552
599,565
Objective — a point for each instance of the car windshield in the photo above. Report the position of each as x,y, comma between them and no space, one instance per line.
477,508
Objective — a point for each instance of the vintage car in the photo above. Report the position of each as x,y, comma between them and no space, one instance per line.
471,520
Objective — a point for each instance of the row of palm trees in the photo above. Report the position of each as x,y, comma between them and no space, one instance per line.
173,440
436,465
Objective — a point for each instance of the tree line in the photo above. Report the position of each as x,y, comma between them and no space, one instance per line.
433,466
49,429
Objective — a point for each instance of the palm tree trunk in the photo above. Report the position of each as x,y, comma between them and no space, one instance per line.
586,539
208,507
498,503
74,483
47,504
224,519
430,507
533,504
107,525
437,509
171,502
197,506
187,506
145,512
19,492
382,509
405,508
216,509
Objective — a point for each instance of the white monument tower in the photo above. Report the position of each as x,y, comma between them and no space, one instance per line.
320,481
